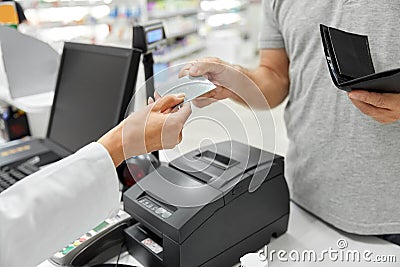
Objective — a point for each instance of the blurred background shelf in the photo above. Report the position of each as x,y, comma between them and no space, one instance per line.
223,6
177,53
181,33
160,15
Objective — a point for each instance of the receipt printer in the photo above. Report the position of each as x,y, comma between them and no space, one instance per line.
208,207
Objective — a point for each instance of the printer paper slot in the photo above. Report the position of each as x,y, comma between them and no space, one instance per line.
144,246
216,160
149,239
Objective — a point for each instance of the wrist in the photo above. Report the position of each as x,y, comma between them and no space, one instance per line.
112,142
152,138
241,69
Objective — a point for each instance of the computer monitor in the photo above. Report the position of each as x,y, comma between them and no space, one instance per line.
93,90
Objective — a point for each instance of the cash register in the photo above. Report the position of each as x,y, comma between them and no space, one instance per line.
202,208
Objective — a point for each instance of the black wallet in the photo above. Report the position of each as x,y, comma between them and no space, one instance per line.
350,63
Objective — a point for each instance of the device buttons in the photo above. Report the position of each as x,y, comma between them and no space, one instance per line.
166,214
153,207
160,211
67,249
58,255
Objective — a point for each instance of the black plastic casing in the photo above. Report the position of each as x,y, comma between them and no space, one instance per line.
234,223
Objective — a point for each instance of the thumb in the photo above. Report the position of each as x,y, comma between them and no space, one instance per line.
168,102
202,67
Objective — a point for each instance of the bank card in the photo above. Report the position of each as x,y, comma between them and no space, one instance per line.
191,86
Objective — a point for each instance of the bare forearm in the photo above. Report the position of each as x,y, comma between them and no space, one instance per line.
271,76
273,87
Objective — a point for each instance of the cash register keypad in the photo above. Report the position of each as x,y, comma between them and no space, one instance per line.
157,209
99,229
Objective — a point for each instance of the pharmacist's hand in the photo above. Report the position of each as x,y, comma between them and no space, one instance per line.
222,74
156,97
157,126
384,108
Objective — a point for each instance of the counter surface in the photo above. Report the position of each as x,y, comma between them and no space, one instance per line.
307,232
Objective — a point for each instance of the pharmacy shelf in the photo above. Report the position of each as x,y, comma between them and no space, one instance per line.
45,5
79,32
224,11
183,33
91,21
223,6
224,14
170,14
56,24
66,14
181,25
179,53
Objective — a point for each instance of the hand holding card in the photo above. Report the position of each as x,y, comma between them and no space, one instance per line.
192,87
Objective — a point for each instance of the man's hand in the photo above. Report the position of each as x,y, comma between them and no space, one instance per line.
264,87
158,126
219,72
384,108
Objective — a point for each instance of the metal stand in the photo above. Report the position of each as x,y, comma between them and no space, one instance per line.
148,63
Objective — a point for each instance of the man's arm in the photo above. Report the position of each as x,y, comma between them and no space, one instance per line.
268,82
272,75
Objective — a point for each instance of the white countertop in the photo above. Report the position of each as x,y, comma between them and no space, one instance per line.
307,232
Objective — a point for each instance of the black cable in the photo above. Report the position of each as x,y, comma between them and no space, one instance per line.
119,254
117,263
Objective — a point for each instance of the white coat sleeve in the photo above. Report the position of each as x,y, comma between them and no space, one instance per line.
47,210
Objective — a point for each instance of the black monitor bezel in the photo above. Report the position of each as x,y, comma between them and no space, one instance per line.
131,73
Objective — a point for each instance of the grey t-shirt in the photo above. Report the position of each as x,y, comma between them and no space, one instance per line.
341,164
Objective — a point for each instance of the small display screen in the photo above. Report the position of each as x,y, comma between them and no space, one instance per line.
155,35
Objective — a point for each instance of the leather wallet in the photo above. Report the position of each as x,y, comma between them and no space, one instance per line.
350,63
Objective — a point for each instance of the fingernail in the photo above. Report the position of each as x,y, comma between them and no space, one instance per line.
181,95
354,96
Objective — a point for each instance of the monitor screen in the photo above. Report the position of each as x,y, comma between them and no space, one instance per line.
94,87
